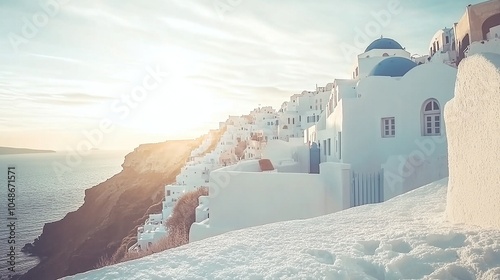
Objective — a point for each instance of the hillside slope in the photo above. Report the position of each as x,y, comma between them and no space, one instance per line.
111,211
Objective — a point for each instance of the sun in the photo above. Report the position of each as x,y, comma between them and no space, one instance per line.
174,109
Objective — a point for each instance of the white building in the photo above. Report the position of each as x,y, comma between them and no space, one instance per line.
245,137
477,32
389,115
368,138
383,120
152,231
253,192
302,111
377,51
193,175
442,47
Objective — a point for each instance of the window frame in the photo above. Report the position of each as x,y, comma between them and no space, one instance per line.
431,118
388,127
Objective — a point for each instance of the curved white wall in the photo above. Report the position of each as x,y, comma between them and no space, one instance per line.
359,119
473,126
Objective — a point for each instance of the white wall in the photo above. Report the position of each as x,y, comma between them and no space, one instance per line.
244,199
278,150
473,122
202,209
490,46
439,40
402,98
253,199
403,173
337,177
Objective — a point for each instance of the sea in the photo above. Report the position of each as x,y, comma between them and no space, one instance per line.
47,187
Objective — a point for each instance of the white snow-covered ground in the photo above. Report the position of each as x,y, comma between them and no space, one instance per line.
404,238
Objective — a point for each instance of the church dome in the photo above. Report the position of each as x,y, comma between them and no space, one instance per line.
393,67
384,44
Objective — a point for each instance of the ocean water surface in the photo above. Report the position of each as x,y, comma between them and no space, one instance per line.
42,197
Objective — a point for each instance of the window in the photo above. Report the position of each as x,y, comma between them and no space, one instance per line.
293,120
388,127
447,39
300,118
431,118
288,120
329,146
324,147
339,137
168,192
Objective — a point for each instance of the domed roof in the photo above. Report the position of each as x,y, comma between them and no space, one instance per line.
384,44
393,67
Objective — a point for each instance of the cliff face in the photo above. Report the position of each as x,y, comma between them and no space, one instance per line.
111,212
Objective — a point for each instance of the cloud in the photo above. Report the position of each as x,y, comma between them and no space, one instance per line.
260,52
71,99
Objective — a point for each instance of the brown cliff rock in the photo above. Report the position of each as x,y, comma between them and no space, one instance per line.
108,219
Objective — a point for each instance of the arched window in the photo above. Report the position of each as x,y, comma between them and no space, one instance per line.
490,22
462,46
431,118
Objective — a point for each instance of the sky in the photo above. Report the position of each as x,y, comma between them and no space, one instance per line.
119,73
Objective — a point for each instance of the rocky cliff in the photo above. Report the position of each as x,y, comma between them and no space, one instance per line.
106,223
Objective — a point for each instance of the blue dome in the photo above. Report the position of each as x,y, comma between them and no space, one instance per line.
384,44
393,67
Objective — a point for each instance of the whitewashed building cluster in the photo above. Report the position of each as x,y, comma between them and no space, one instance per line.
302,111
357,140
192,176
360,140
368,126
244,137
